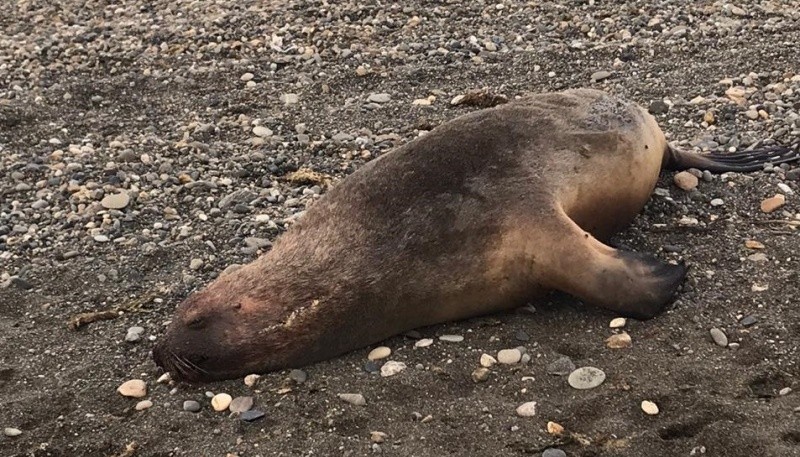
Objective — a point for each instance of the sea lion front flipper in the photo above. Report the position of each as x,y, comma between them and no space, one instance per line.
632,284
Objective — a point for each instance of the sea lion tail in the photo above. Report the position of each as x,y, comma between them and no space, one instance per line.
752,160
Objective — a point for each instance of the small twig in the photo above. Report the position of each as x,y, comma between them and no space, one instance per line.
130,449
80,320
776,221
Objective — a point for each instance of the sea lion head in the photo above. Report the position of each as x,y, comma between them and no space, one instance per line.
229,329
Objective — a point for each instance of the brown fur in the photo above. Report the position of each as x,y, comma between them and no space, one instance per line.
489,210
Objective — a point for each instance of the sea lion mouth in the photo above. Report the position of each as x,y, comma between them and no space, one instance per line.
180,368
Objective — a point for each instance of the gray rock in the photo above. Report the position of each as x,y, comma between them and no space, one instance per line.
298,376
553,452
191,406
658,107
586,378
561,367
600,76
748,321
379,98
252,415
719,337
241,404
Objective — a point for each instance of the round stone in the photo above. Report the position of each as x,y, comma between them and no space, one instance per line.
586,378
391,368
487,361
719,337
649,408
241,404
618,322
191,406
527,409
142,405
509,356
298,376
619,341
380,352
685,180
452,338
251,379
134,388
261,131
220,402
116,201
553,452
353,399
11,432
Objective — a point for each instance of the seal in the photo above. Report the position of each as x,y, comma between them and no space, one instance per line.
482,214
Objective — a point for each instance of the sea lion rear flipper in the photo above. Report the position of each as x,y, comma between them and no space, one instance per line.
632,284
740,162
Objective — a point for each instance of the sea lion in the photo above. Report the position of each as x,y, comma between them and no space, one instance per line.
482,214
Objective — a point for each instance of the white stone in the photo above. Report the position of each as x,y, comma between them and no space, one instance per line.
527,409
353,399
391,368
220,402
509,356
134,388
380,352
649,408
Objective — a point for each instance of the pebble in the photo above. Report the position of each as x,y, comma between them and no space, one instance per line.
372,366
391,368
658,107
785,391
378,437
380,352
481,374
220,402
196,264
600,76
261,131
353,399
785,189
251,379
423,343
290,99
649,408
509,356
11,432
586,378
759,257
101,238
134,334
717,202
134,388
527,409
553,452
298,376
116,201
487,361
685,180
247,77
748,321
753,244
561,367
719,337
521,336
191,406
379,98
251,415
771,204
555,428
619,341
618,322
241,404
142,405
452,338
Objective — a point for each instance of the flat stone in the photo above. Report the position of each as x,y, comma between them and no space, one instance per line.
748,321
553,452
509,356
758,257
452,338
380,352
423,343
241,404
685,180
771,204
561,366
719,337
135,388
753,244
619,341
353,399
391,368
252,415
527,409
220,402
649,408
116,201
586,378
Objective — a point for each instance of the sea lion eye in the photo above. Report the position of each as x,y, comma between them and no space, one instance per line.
196,323
237,305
